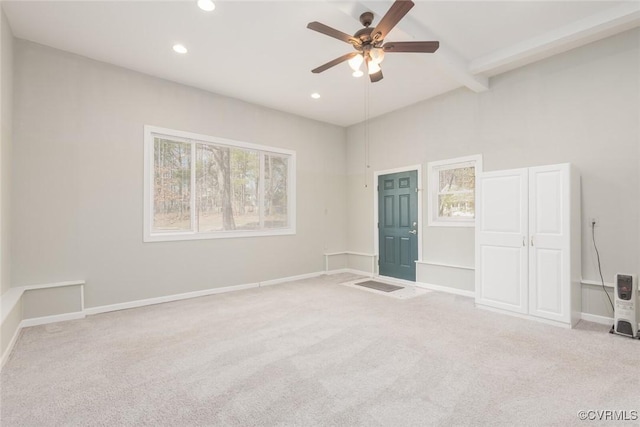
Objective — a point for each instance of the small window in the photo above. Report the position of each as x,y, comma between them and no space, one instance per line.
201,187
452,188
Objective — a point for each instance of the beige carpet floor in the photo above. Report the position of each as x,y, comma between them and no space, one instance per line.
313,352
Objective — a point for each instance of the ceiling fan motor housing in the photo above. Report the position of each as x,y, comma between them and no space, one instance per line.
364,35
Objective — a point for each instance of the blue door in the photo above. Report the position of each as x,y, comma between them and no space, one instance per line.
398,225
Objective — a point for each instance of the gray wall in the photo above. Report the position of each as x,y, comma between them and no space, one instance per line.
51,301
78,182
10,326
580,107
6,122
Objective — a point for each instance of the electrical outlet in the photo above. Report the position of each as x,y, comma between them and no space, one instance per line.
594,222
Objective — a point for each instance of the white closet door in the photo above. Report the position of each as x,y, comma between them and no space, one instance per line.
501,240
549,228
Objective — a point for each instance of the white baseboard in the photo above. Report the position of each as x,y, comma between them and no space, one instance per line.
440,264
447,289
349,253
195,294
596,283
36,321
205,292
168,298
7,352
603,320
290,279
336,271
524,316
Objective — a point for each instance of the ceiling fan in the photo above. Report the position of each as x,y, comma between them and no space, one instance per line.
368,41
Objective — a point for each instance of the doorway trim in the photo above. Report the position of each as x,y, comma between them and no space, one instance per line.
376,243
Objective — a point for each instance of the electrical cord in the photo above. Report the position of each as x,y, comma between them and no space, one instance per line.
593,235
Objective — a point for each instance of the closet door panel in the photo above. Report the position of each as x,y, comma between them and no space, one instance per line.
501,236
549,228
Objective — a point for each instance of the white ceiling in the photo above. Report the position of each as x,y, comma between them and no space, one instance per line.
262,52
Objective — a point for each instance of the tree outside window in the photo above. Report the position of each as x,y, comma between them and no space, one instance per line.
452,186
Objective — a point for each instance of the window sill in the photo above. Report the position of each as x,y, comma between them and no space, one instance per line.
172,237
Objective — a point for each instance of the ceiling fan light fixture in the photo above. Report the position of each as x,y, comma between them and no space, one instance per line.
206,5
358,73
356,62
377,55
373,67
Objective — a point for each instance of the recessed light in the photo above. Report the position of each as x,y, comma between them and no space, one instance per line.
206,5
315,95
179,48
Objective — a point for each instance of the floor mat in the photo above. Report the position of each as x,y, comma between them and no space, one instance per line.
379,286
388,288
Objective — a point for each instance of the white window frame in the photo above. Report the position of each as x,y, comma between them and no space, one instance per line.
150,132
433,171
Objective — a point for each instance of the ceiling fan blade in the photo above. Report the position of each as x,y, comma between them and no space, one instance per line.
334,62
375,77
424,47
332,32
397,11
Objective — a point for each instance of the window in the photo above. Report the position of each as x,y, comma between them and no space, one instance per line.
201,187
452,185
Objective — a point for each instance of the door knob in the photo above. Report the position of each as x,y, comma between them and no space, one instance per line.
413,231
